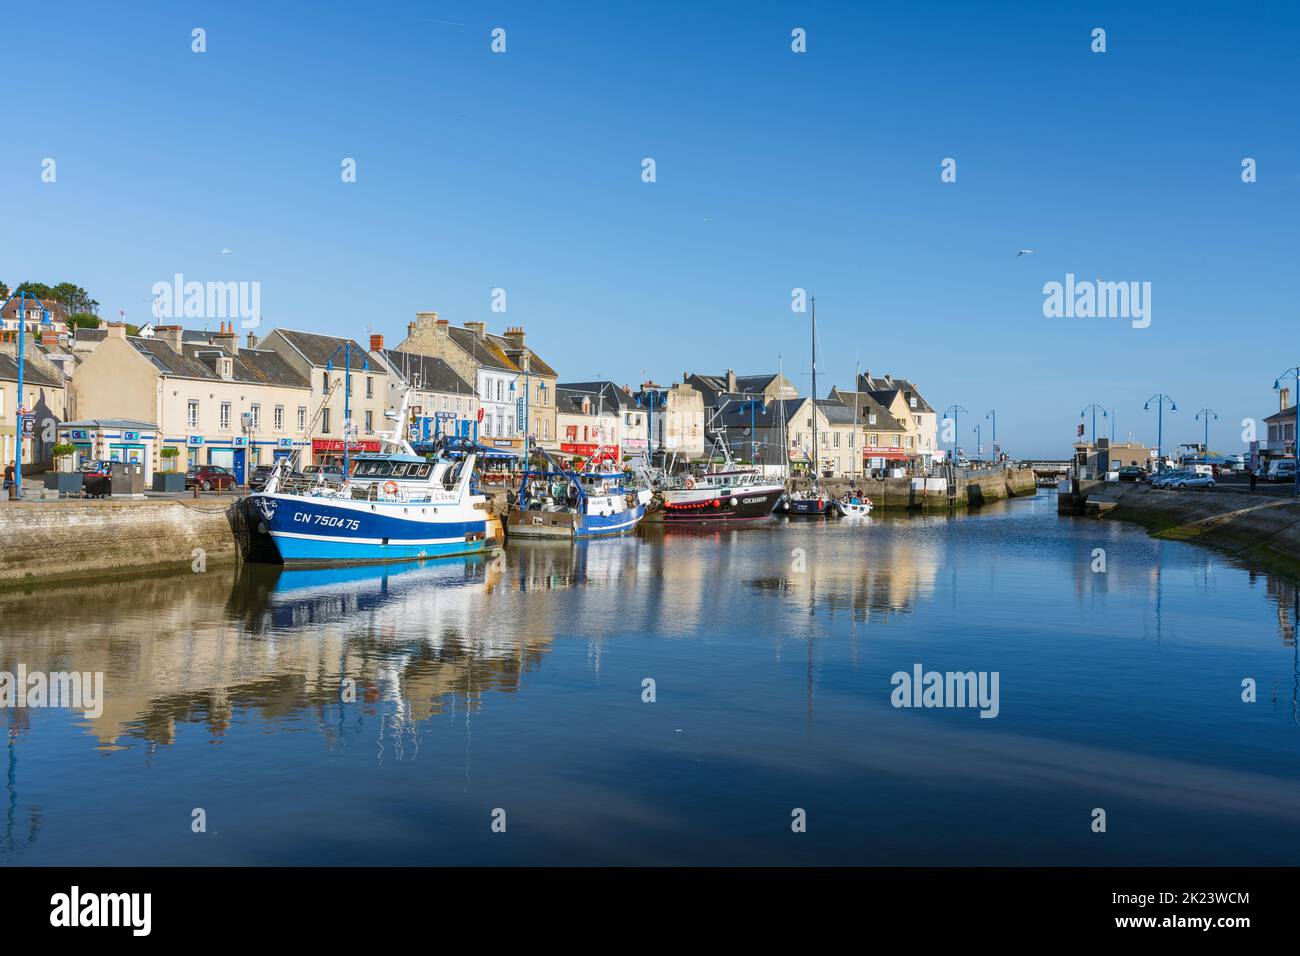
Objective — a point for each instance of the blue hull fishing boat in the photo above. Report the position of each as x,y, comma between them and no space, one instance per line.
562,503
392,506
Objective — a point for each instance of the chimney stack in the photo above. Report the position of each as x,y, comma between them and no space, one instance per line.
515,334
425,319
376,342
731,380
252,341
49,337
478,328
226,338
170,334
116,330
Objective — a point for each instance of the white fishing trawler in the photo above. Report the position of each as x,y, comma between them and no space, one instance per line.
391,505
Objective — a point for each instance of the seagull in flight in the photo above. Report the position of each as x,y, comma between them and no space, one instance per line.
1024,252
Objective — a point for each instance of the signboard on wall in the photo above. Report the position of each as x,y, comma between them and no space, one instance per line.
193,441
130,436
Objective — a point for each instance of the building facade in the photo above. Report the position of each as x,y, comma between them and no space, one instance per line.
678,426
441,403
215,404
589,428
44,399
516,388
345,409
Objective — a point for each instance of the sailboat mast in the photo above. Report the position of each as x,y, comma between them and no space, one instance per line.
856,372
813,454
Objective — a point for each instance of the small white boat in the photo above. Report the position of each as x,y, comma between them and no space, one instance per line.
853,506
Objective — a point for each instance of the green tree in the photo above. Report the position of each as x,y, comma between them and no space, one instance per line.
82,320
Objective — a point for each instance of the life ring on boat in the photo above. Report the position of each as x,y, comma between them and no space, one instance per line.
390,487
689,482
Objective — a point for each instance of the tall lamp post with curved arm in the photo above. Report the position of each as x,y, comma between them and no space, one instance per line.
346,349
1207,413
1277,384
952,412
1160,398
1094,408
20,409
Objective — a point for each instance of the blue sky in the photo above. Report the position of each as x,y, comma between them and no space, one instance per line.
775,170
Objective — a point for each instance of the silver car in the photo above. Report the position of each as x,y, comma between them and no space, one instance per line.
1192,480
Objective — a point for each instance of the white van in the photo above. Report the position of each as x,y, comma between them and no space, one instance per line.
1283,469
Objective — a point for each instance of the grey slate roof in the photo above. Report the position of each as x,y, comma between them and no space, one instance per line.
883,389
32,374
614,396
317,349
866,405
737,415
485,352
433,374
256,366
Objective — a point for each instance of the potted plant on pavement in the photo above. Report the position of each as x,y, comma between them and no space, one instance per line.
64,478
169,479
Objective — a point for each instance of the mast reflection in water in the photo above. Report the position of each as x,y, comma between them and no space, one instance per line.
380,714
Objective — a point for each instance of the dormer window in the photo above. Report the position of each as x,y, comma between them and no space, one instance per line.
912,401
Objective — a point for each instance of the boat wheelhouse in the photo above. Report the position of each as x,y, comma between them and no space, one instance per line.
562,503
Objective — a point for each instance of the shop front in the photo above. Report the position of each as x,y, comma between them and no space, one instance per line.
121,440
883,458
330,451
602,455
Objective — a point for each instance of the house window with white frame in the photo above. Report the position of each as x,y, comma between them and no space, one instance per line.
302,418
192,414
278,418
225,415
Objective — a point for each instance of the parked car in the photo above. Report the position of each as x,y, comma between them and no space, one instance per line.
207,477
257,480
1166,478
1131,473
331,473
1192,480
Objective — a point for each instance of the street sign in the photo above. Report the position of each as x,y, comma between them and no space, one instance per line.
480,413
445,415
29,425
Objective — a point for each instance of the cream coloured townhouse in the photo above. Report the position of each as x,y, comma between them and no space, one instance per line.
203,395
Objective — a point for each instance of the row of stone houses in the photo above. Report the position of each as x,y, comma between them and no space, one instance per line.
173,398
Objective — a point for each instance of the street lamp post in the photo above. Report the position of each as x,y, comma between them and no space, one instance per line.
1207,413
954,409
1160,398
1093,408
1112,426
19,408
1295,374
979,447
346,349
993,414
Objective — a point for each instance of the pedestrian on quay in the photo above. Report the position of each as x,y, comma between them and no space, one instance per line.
1254,478
9,479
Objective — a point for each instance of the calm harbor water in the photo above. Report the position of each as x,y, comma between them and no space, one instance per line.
516,683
